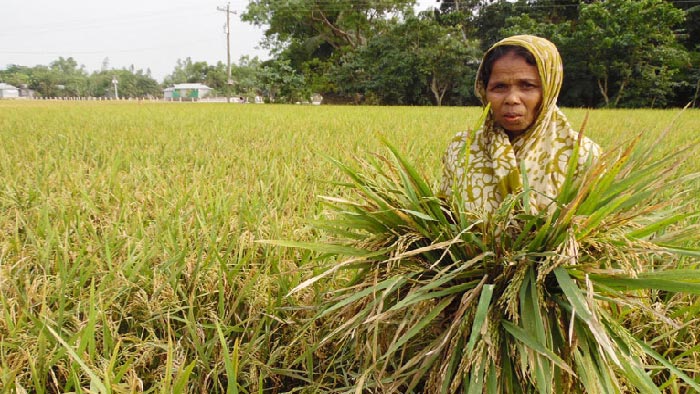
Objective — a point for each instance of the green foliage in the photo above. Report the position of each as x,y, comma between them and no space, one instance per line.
281,83
385,69
413,58
492,18
187,71
336,23
311,36
629,56
16,75
633,62
63,78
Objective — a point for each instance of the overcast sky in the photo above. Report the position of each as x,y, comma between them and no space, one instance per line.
148,34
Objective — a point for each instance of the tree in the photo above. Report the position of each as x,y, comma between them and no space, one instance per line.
412,63
187,71
459,13
385,71
630,45
449,60
71,78
336,23
491,19
313,36
246,76
688,78
133,83
145,85
632,57
100,83
16,75
44,81
281,83
691,31
216,76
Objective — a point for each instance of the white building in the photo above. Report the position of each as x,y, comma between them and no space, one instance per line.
186,92
8,91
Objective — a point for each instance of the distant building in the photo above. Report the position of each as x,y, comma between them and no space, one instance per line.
8,91
186,92
25,92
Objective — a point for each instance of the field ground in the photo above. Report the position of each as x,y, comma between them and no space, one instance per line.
128,231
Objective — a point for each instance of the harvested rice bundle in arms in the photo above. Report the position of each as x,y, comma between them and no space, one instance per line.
516,275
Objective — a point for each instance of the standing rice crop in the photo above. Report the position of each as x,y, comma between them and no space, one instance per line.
128,253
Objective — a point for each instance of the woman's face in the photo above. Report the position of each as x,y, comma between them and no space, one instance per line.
515,93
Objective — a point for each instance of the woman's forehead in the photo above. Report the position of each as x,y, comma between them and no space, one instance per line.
513,67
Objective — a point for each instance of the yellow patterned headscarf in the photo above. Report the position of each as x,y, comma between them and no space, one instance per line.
489,168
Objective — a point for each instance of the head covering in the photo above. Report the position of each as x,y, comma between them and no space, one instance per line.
484,165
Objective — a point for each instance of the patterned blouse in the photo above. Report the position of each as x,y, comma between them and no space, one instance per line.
490,169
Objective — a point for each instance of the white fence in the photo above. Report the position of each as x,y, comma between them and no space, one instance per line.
237,100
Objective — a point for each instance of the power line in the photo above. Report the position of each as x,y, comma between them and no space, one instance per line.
104,51
332,6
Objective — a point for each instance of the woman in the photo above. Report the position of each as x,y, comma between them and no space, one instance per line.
520,77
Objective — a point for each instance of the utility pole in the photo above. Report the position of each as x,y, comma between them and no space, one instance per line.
229,81
115,82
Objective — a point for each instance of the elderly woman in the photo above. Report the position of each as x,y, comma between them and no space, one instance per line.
520,77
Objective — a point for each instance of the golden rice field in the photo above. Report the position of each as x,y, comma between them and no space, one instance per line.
129,253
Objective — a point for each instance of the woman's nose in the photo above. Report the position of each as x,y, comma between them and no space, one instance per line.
512,97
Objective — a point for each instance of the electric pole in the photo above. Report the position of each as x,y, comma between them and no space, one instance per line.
229,81
115,83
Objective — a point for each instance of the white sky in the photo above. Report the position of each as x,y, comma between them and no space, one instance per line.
143,33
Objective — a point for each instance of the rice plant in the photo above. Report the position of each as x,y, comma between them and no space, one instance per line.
129,259
424,296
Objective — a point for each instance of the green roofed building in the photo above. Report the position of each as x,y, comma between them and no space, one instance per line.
186,92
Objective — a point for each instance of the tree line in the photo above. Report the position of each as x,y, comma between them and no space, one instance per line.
274,79
65,78
617,53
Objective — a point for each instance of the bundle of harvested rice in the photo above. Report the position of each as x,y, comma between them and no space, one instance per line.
428,297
